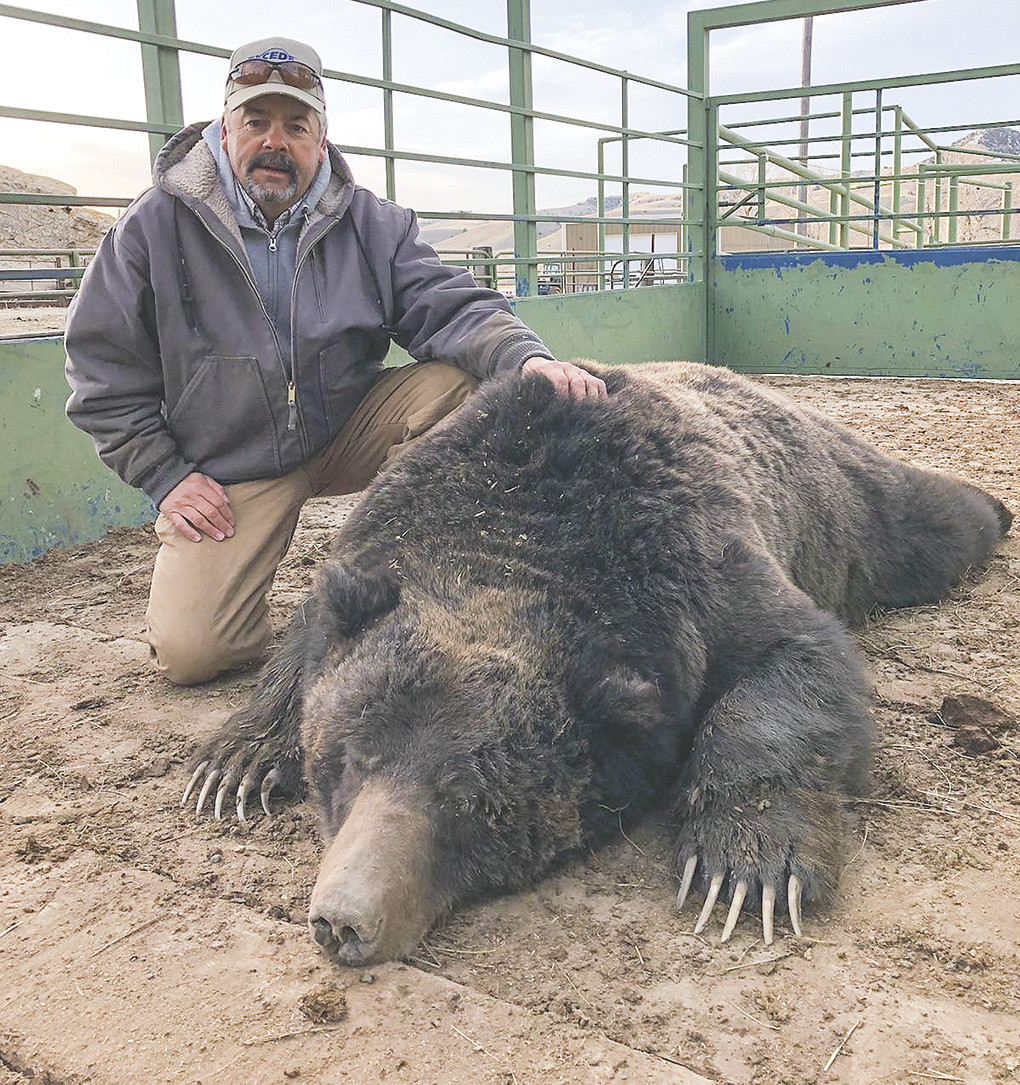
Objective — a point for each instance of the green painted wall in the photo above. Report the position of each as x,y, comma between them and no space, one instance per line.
923,313
646,324
53,489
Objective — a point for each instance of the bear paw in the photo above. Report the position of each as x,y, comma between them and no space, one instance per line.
783,846
236,768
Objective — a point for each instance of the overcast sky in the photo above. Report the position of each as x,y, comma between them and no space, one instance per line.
92,75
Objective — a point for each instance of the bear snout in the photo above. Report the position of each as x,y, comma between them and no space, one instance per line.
374,899
348,931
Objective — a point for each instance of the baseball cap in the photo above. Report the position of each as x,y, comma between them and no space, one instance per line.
291,68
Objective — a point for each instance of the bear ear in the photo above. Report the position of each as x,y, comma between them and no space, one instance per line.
623,700
351,600
612,695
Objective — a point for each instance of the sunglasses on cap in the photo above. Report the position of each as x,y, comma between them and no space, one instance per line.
254,72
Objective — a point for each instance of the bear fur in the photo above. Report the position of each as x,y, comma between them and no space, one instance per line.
549,612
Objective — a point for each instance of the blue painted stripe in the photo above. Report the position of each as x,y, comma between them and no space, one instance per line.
940,257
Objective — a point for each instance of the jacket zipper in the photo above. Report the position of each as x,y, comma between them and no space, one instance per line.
292,413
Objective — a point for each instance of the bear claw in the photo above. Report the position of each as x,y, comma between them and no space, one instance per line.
246,788
685,882
214,775
271,780
734,914
226,784
195,777
794,894
768,910
713,896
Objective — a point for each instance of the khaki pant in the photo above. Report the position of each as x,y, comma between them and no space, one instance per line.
207,604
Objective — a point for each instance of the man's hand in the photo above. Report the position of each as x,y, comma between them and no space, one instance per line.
568,379
199,505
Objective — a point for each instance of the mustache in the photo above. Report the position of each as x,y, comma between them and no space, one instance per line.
274,161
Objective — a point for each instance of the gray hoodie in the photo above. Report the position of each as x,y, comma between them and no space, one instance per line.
176,363
272,253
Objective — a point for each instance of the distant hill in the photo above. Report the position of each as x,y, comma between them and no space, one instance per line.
466,234
28,226
996,140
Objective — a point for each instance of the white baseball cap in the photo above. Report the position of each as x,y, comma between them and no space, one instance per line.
287,67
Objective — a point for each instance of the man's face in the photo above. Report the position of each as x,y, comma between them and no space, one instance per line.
275,146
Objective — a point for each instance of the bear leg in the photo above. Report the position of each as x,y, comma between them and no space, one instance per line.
258,748
783,744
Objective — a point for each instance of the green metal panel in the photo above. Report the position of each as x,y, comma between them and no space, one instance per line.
495,39
522,145
767,11
625,188
908,313
52,117
646,324
387,71
53,489
161,72
700,206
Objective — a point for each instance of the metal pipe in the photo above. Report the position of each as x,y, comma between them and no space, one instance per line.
954,202
789,235
877,199
799,171
625,191
161,70
854,224
922,197
961,75
938,197
805,102
387,70
897,166
600,231
522,147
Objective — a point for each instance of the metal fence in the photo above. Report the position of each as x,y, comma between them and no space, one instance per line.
524,269
867,174
873,177
41,275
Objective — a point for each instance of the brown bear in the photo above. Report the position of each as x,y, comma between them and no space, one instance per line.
549,611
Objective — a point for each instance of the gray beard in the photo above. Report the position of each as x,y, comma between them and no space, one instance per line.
270,196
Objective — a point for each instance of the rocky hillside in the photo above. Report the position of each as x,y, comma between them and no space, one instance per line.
47,227
996,140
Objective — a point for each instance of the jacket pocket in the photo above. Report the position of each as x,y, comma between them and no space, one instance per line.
223,420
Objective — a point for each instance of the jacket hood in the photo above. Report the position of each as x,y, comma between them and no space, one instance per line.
186,168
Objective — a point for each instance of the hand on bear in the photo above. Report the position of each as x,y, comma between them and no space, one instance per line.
568,379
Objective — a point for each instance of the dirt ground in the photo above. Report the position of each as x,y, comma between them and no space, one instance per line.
140,945
22,320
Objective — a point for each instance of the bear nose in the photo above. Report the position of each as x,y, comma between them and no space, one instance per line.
322,932
350,932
